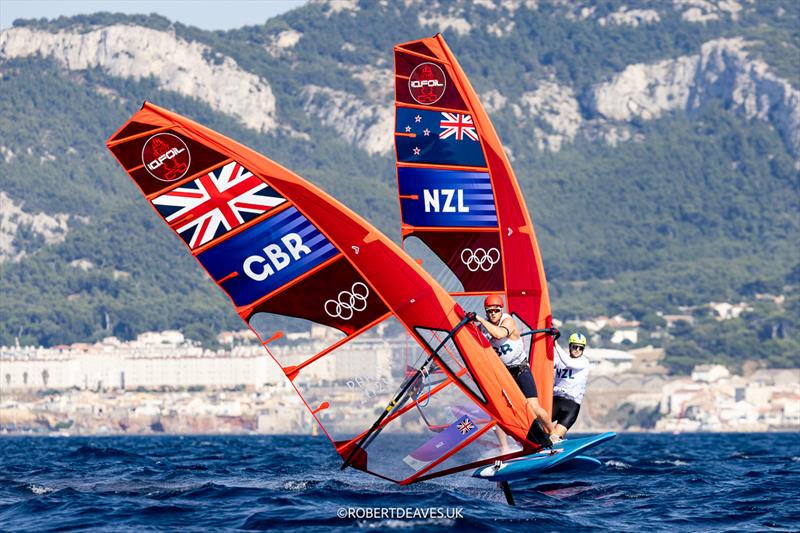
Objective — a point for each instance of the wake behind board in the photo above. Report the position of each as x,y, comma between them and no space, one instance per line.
545,461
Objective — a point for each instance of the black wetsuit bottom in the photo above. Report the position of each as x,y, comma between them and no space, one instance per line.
522,375
565,411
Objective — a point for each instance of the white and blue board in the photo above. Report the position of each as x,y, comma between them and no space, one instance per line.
559,458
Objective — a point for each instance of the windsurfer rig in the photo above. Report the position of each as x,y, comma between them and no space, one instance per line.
284,251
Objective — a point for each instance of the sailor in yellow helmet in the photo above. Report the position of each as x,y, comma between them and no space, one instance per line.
500,329
571,375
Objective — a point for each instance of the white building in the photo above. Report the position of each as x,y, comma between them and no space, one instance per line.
622,335
609,362
134,365
709,373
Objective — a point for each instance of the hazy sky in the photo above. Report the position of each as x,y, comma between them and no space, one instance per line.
206,14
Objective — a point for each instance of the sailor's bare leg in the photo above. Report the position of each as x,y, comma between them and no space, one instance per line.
560,430
541,414
501,436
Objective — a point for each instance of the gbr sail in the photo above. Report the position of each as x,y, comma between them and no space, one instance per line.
463,214
293,259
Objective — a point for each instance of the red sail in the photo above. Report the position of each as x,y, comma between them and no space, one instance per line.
288,254
462,210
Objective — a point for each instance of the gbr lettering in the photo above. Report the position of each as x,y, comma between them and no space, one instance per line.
276,257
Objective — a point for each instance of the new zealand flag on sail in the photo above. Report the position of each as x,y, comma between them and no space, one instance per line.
437,137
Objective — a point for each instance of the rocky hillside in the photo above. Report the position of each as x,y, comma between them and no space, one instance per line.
657,143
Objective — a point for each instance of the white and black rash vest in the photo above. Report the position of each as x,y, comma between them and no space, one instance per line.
512,353
571,375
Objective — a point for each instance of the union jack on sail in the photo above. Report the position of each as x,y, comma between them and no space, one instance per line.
457,124
466,426
215,203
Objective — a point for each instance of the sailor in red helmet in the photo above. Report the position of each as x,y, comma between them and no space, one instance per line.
500,329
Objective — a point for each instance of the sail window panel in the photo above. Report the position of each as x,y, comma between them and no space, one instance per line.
461,261
485,449
472,303
433,264
428,432
450,356
352,384
523,327
298,339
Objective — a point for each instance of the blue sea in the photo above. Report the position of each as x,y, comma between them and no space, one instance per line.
658,482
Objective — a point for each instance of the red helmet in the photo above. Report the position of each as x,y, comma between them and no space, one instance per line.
493,300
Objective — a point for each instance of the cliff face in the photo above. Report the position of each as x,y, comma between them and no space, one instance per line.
722,73
188,68
15,223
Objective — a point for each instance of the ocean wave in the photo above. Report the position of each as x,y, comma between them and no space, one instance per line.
163,483
95,452
673,462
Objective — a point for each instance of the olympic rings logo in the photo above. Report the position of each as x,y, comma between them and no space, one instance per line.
348,303
480,259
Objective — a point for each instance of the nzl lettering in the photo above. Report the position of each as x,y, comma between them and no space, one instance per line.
441,201
260,268
564,373
502,349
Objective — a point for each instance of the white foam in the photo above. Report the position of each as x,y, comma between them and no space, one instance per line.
295,486
676,462
39,489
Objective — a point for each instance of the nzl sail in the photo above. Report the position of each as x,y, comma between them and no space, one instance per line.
290,256
463,215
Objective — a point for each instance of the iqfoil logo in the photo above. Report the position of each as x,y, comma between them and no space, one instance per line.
427,83
166,157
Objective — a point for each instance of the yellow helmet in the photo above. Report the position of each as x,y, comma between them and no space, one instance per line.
578,338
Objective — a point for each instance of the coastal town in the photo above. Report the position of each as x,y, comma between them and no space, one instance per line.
163,383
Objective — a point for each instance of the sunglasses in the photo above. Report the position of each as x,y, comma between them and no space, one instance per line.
576,347
494,310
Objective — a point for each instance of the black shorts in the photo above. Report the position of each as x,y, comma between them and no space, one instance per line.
565,411
522,375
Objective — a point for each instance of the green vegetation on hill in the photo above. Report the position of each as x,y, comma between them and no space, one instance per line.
699,207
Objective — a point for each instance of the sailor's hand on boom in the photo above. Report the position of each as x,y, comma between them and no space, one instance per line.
499,331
